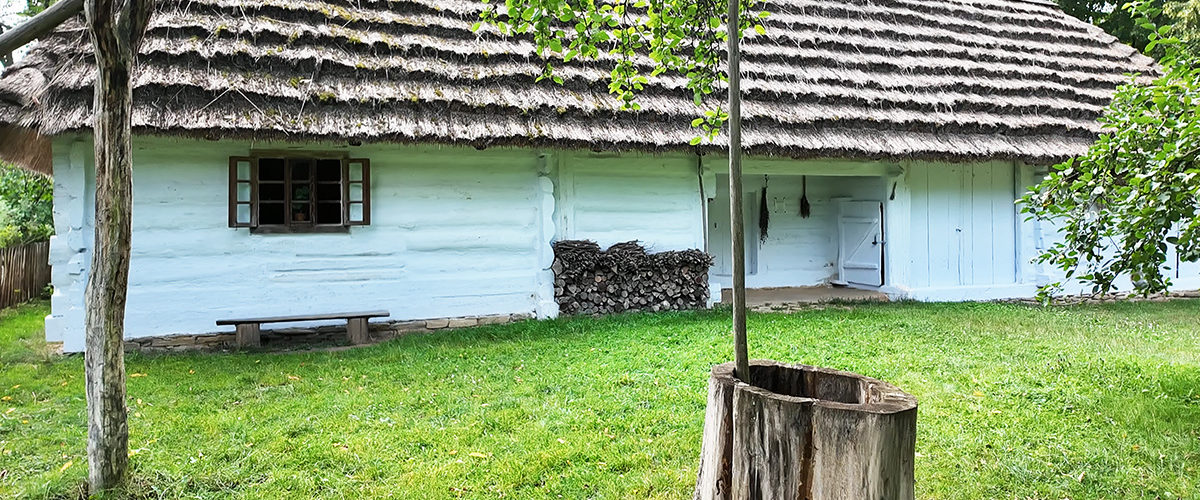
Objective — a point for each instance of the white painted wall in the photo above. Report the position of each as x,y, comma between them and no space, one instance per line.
70,247
459,232
612,199
453,232
1183,275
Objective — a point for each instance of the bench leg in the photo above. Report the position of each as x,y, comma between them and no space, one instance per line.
249,335
356,330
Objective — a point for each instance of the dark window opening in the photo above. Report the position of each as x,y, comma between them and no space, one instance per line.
297,194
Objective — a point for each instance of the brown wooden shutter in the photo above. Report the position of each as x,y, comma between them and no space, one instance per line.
356,191
243,192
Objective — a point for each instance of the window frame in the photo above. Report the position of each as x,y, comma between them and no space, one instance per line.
254,203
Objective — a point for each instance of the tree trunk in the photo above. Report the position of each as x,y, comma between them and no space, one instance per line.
116,28
737,229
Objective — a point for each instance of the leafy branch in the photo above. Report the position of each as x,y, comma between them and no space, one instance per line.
1136,192
642,38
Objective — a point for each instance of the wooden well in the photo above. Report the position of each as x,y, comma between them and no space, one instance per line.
802,432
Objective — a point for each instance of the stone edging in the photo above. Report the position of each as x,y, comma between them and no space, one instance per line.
1065,300
302,338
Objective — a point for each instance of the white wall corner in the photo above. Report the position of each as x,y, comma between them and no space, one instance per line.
896,292
714,292
544,304
564,183
69,256
54,328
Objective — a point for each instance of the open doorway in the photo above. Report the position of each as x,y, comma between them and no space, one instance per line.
802,248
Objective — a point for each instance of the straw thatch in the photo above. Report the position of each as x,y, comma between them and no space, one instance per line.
930,79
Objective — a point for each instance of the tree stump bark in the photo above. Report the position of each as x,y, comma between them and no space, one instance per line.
802,432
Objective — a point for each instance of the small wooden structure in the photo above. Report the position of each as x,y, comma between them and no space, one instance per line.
802,432
24,272
249,332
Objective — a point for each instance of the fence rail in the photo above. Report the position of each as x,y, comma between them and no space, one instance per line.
24,272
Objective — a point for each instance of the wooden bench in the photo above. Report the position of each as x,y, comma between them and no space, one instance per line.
249,333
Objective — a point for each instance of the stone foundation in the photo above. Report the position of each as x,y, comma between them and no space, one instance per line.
1067,300
298,338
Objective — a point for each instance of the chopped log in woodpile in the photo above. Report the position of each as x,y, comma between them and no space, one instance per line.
627,278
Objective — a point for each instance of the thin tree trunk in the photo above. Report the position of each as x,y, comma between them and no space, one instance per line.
738,230
116,27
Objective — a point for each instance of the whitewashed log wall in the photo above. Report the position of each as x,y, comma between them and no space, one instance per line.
454,233
611,199
963,232
461,232
1044,234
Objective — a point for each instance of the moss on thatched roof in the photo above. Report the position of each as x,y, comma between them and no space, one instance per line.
931,79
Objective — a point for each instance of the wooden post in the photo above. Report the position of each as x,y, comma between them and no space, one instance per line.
249,335
115,28
738,230
39,25
356,330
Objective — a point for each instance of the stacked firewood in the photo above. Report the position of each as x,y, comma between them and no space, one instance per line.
626,278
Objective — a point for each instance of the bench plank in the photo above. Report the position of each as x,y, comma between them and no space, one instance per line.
305,317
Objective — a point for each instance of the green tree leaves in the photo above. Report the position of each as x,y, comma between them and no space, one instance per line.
26,206
1137,190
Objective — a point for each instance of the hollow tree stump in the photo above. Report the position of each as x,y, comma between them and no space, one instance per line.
802,432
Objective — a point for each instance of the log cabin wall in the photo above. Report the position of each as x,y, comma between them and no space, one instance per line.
1185,276
461,232
454,232
611,198
964,232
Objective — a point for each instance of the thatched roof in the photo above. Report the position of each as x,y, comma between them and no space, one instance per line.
934,79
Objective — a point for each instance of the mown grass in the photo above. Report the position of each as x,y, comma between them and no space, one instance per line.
1016,402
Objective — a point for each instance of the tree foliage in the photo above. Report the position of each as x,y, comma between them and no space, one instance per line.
683,37
1136,193
26,206
35,7
1128,26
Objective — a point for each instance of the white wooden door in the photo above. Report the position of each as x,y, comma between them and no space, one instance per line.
860,242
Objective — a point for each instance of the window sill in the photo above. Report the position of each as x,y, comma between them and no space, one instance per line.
299,229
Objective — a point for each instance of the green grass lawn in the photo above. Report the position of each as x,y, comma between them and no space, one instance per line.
1016,402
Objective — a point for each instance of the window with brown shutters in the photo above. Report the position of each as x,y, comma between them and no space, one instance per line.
298,194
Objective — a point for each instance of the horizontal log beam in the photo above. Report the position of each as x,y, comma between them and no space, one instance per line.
39,25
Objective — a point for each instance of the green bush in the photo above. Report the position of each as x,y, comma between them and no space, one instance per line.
26,206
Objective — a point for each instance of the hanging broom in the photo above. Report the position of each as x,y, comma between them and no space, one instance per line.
764,214
805,209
